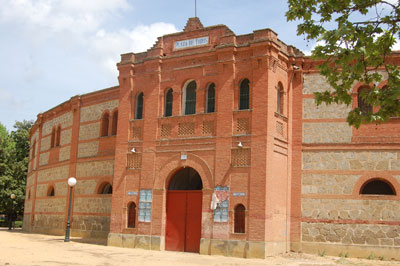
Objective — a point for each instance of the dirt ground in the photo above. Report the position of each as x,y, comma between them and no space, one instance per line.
19,248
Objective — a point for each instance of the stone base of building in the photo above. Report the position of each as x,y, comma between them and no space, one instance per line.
241,249
355,251
230,248
136,241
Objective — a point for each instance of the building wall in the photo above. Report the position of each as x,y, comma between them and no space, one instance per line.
75,156
298,173
335,216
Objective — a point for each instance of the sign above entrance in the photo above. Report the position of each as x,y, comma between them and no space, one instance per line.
132,193
191,43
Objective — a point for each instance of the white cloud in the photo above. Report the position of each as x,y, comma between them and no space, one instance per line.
60,15
107,46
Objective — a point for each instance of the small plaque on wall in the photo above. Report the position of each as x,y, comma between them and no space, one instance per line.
132,193
239,194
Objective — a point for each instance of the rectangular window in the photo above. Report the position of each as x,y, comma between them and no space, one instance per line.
145,202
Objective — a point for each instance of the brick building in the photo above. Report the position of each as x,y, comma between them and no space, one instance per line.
212,143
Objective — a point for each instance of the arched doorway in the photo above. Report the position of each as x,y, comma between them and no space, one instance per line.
184,202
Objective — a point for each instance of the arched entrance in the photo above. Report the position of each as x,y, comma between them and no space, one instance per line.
184,202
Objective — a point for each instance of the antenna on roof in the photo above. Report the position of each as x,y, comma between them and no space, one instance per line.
195,8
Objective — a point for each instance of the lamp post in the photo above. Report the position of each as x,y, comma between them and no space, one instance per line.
12,197
71,183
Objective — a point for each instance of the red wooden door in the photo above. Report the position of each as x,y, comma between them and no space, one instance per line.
183,229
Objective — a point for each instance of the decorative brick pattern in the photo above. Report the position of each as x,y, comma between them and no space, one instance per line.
242,125
94,112
88,149
136,133
65,153
360,234
279,128
328,184
327,133
241,157
44,158
351,160
64,120
208,127
134,160
373,210
56,173
95,168
323,111
186,129
92,205
90,131
165,130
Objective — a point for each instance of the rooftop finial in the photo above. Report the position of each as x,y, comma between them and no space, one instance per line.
193,24
195,8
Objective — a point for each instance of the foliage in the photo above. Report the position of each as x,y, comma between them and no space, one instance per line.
14,153
355,39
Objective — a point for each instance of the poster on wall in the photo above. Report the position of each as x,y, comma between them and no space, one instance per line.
220,203
145,201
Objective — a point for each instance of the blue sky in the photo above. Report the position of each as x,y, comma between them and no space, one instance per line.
51,50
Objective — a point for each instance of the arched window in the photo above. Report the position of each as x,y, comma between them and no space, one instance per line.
377,187
190,98
104,124
139,106
50,191
105,188
132,215
53,137
58,135
114,123
364,107
279,99
244,95
210,103
29,194
168,103
240,218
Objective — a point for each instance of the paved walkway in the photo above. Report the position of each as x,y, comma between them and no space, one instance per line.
19,248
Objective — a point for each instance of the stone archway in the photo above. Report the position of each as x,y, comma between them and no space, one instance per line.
184,208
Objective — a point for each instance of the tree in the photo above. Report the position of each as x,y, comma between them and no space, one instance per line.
355,40
14,156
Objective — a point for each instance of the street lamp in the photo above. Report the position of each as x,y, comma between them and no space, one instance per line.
12,197
71,183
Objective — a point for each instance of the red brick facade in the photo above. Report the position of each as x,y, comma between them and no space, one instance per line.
259,150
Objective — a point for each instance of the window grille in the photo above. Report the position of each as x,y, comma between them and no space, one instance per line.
186,129
165,130
145,202
241,157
